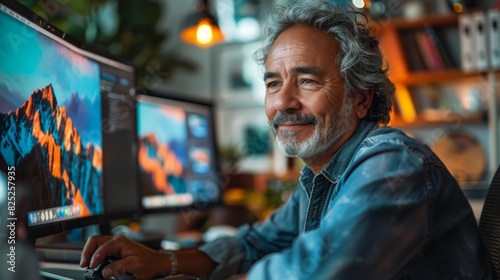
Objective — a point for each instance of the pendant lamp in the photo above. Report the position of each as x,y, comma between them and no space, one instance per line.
201,29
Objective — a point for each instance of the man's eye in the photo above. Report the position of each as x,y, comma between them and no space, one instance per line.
307,81
272,84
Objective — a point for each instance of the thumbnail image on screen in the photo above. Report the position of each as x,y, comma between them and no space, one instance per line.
50,122
176,153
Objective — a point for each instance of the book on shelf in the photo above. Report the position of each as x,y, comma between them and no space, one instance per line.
425,97
437,43
430,53
425,50
413,56
403,104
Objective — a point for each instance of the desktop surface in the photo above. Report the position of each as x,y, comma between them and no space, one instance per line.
61,271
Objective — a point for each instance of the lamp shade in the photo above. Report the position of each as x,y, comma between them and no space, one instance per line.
201,29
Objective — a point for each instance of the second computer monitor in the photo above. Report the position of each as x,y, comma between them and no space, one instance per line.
177,153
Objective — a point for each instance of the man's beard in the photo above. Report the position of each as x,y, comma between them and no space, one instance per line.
320,141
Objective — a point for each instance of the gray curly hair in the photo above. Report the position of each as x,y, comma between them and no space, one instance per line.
360,61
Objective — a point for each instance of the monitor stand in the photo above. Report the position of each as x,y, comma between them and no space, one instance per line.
67,251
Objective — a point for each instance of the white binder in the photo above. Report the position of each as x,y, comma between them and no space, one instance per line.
467,46
480,37
493,22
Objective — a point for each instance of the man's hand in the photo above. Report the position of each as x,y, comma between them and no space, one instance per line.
134,258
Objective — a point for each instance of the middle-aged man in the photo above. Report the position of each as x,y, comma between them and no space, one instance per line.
372,202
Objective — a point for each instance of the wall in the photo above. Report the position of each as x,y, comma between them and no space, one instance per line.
198,83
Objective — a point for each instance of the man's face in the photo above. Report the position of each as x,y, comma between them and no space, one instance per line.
305,100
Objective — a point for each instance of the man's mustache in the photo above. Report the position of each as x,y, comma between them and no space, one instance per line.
292,117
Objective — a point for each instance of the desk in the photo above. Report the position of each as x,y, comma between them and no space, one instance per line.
61,271
65,271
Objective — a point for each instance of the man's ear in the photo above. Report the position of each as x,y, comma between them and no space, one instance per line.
363,102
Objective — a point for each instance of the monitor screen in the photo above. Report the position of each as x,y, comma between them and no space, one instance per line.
178,163
67,125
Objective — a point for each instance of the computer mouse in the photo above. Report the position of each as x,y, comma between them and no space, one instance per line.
96,273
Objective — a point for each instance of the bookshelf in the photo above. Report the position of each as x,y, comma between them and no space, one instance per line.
400,43
424,80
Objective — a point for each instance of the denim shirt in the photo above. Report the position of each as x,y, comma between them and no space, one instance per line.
385,207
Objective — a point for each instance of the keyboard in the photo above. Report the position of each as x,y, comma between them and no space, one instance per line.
61,271
71,256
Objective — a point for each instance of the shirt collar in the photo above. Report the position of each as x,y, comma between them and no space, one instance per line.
342,157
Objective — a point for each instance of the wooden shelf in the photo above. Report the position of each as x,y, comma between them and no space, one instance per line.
435,20
449,119
430,77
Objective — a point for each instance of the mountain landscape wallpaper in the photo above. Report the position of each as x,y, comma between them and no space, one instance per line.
50,119
162,149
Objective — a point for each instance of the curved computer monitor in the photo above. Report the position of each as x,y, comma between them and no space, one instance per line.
67,125
177,154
